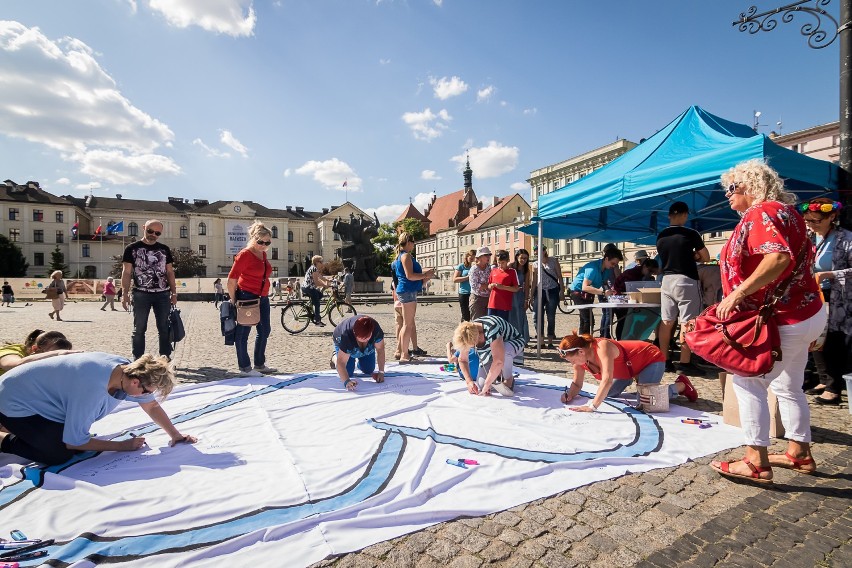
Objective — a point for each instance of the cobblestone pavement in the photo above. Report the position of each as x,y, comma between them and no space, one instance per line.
686,515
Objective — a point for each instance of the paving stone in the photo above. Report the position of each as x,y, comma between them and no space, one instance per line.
428,562
511,537
583,553
555,542
539,514
455,532
443,550
603,543
378,550
680,500
600,508
554,560
578,532
569,509
402,557
574,498
473,523
531,529
496,550
591,519
491,528
475,542
465,561
532,549
418,542
507,518
515,561
653,490
629,493
669,509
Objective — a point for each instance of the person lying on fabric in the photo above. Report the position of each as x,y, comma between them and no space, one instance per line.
358,338
49,406
472,358
496,342
38,345
615,364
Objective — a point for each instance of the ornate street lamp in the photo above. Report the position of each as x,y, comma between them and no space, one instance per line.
821,29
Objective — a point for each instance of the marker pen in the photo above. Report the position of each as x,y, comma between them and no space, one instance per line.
468,462
457,463
27,556
16,551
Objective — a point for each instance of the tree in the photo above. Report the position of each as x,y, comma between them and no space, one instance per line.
12,260
187,263
117,266
388,238
57,262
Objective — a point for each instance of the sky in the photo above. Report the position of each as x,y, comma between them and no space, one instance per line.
282,101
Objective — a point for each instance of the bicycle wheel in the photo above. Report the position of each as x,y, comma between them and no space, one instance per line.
565,306
295,318
340,312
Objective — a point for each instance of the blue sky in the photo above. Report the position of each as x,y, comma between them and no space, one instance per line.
281,101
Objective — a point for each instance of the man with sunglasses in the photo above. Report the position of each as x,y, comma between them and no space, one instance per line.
150,264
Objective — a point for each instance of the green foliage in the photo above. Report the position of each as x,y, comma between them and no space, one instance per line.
388,238
12,260
187,264
57,262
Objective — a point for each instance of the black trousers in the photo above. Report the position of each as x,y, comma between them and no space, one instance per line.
464,304
837,352
587,318
35,438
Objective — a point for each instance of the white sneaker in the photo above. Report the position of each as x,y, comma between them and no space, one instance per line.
265,370
250,373
502,388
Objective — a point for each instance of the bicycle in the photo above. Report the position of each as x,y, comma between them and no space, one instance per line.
297,315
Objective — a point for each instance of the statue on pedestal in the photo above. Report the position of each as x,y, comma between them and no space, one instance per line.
358,252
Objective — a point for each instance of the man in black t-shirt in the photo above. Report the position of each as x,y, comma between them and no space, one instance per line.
358,338
149,264
678,248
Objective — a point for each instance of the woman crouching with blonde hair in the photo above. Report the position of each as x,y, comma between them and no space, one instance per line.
49,419
497,343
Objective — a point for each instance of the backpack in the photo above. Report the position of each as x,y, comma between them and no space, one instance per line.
176,329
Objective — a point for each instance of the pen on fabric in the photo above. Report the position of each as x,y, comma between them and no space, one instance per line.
27,548
467,461
457,463
132,435
27,556
16,544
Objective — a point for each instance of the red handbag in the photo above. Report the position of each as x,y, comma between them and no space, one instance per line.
747,343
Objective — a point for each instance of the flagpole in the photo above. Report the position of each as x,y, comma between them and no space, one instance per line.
101,233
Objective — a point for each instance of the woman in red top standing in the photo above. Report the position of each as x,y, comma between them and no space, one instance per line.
249,280
769,245
607,360
503,283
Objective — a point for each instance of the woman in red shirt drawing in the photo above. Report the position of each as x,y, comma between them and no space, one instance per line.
249,280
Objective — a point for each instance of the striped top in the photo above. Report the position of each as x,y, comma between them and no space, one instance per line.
496,327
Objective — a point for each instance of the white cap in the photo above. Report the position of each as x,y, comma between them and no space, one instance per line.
484,251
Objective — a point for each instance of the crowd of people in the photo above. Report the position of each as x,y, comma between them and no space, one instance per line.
777,239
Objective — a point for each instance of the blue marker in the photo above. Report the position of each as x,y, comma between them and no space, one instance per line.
457,464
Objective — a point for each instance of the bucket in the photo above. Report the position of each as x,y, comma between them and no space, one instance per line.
848,379
653,398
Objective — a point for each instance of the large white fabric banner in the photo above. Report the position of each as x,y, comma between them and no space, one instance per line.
236,237
297,468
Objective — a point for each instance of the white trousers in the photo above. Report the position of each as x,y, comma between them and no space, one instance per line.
785,380
509,354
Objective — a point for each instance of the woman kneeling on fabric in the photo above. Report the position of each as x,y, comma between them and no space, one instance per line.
614,364
49,406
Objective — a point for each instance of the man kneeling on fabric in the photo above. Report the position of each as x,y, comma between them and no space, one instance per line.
358,338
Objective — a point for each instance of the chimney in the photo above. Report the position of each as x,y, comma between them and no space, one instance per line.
118,196
325,210
33,185
300,209
88,200
10,183
289,208
200,202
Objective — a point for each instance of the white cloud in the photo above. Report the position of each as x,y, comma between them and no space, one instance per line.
132,4
229,140
63,181
384,61
231,17
121,168
520,186
504,104
427,125
490,161
429,174
438,3
389,213
445,88
288,172
88,186
55,93
211,152
483,95
331,174
530,111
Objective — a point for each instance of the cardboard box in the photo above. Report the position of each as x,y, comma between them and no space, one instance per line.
731,409
650,295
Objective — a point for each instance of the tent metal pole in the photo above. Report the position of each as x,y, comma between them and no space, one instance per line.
539,321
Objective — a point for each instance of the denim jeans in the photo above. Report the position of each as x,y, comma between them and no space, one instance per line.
264,328
550,299
142,304
316,298
650,375
366,364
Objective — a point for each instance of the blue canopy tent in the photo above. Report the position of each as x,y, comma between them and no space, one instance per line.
628,199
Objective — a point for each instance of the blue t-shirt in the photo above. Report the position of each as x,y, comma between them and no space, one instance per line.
473,363
70,389
592,272
344,338
406,285
464,287
824,259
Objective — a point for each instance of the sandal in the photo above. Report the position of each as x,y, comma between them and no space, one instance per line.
796,464
755,471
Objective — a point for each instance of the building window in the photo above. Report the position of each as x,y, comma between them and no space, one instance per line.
290,255
38,236
715,234
336,237
275,272
14,213
517,234
184,232
584,246
569,247
60,216
489,237
14,235
132,230
87,250
274,232
202,229
38,259
598,246
289,236
202,251
60,237
38,215
310,237
274,253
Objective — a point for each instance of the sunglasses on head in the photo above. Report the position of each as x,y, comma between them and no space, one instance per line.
264,243
153,232
564,352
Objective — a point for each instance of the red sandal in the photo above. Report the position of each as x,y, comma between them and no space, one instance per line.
796,463
755,471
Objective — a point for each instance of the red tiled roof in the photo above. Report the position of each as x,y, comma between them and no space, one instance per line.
487,214
411,212
444,209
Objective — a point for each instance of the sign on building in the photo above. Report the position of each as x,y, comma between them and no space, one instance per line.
236,237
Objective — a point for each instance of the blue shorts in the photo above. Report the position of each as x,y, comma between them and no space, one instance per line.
407,297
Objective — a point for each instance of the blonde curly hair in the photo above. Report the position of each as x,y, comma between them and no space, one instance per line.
466,335
761,182
258,229
154,374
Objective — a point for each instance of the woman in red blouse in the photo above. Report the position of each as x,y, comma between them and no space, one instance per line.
249,280
615,364
769,245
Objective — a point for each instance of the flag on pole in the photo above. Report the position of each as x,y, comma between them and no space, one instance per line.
97,232
74,229
113,228
345,183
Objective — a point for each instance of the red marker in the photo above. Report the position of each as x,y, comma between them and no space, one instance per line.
467,462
